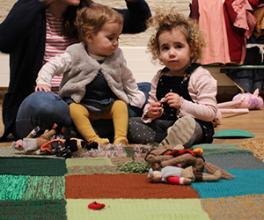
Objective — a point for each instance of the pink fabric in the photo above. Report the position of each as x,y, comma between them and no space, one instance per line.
240,24
244,19
212,25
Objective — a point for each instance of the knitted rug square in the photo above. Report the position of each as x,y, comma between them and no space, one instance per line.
255,145
137,209
32,166
239,207
240,160
90,165
209,149
245,182
31,187
12,187
122,186
45,188
135,152
9,151
32,210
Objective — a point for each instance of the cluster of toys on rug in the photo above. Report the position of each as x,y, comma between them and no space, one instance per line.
56,141
167,164
177,165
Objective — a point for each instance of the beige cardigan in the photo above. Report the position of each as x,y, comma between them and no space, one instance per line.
79,69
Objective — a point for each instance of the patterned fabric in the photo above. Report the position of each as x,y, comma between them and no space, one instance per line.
56,43
113,175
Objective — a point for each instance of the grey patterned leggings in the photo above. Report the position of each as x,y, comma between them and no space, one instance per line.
156,131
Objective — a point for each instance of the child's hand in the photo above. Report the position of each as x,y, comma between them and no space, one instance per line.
155,110
173,100
42,87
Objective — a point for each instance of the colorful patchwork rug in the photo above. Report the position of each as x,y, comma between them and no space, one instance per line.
41,187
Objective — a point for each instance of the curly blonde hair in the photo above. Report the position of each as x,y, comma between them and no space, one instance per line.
90,20
166,20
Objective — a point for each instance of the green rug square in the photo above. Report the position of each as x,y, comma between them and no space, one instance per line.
90,165
137,209
32,166
32,210
233,133
209,149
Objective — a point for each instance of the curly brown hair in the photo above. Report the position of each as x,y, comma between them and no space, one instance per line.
166,20
90,20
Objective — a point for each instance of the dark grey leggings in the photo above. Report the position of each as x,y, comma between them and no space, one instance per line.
156,131
141,133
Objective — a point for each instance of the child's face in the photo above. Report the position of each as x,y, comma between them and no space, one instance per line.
105,42
174,51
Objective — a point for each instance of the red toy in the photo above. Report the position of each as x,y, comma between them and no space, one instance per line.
96,206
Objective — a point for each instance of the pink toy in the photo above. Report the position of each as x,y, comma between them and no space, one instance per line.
240,104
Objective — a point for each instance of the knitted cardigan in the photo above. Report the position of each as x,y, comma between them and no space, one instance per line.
81,69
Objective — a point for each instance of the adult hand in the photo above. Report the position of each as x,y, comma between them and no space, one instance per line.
42,87
155,110
173,100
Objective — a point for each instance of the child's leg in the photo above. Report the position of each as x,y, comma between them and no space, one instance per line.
185,131
145,133
139,132
80,117
119,114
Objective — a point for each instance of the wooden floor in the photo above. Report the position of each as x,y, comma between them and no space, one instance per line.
253,122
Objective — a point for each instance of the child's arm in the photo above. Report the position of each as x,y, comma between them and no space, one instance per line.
152,101
135,96
56,66
202,89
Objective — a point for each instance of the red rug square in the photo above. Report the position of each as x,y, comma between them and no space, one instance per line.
122,186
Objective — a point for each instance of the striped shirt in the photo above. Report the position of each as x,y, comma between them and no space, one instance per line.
56,43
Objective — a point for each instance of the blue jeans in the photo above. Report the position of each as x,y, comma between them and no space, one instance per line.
41,109
44,109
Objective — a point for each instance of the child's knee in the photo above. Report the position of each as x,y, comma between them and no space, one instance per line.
78,109
119,105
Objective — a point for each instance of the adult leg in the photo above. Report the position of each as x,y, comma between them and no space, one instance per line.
41,109
80,116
